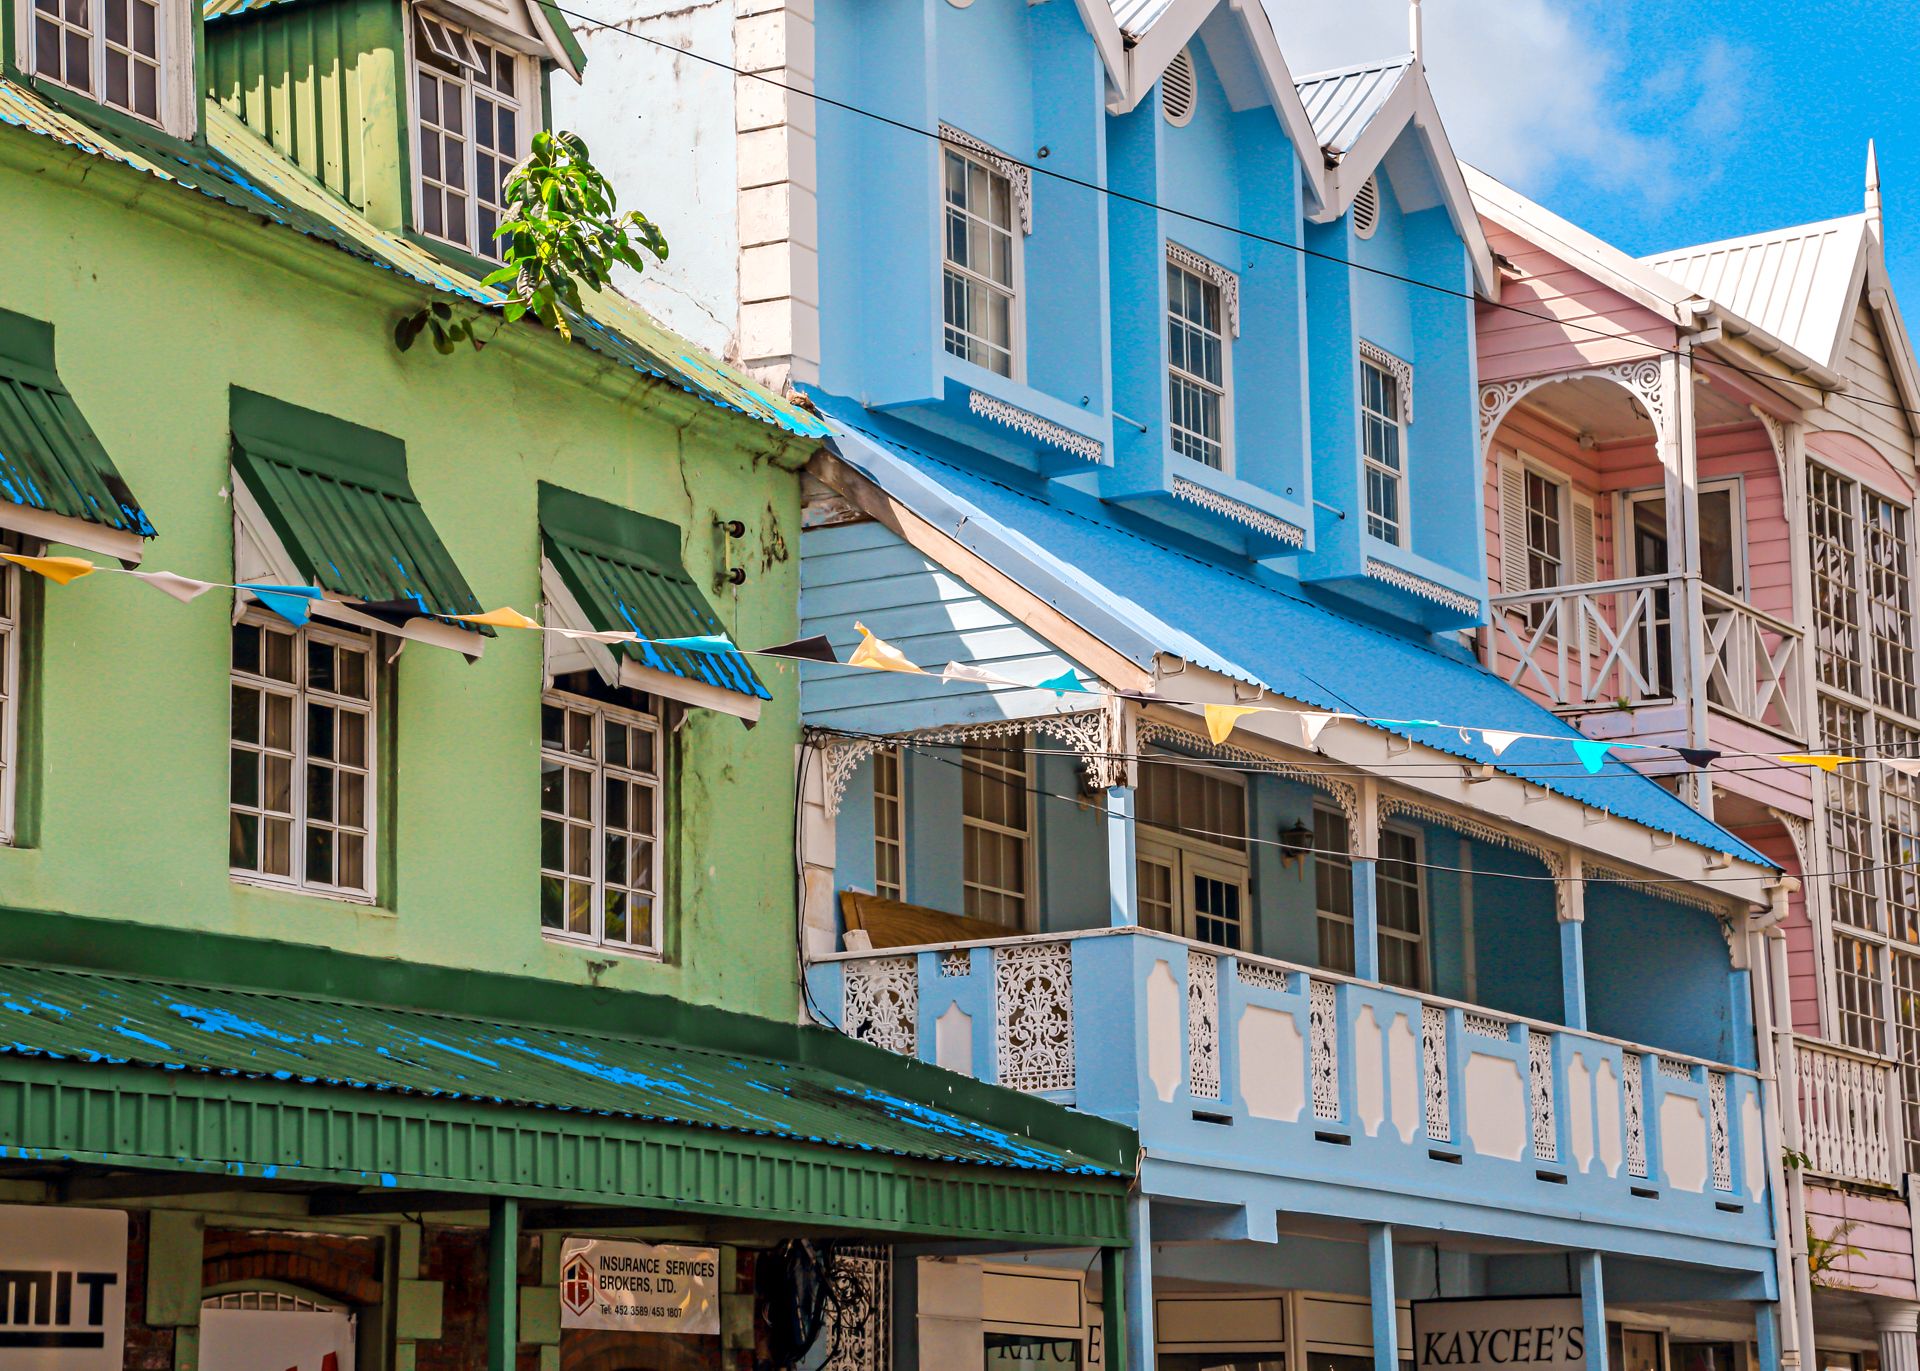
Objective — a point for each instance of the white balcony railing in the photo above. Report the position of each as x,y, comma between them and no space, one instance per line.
1612,643
1849,1113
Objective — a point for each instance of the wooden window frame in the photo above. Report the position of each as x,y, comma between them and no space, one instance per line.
1178,376
1015,293
1370,465
1029,866
1423,940
1188,854
177,95
525,103
894,800
1343,861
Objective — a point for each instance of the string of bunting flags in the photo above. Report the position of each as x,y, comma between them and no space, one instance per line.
295,604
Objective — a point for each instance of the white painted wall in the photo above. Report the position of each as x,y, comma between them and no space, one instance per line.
661,126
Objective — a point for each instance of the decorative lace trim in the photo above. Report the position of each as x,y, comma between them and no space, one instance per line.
1348,796
1277,529
1486,1026
880,1002
1227,283
1632,1100
1433,1043
1421,586
1546,1143
1672,1069
1203,1025
1033,999
954,965
1266,977
1323,1049
1672,893
1396,367
1722,1147
1031,424
1018,176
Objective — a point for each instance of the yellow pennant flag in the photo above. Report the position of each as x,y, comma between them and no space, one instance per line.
1221,719
878,655
1826,761
59,570
504,617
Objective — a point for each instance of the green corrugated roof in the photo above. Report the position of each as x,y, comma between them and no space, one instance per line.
50,459
91,1016
338,497
625,570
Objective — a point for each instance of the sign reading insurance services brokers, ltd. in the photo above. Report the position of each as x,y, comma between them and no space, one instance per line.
639,1287
1499,1335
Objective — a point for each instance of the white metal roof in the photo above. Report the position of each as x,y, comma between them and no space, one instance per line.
1799,284
1342,103
1135,17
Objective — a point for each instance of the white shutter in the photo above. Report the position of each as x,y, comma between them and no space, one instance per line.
1513,529
1583,566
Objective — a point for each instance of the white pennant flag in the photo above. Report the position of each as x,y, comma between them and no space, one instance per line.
961,671
181,588
1312,726
1499,740
592,636
1906,766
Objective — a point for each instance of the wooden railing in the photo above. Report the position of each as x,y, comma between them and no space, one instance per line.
1753,664
1850,1107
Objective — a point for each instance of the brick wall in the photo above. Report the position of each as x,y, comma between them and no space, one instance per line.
148,1349
346,1269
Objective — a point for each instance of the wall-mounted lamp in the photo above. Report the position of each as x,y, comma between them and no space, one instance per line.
1295,843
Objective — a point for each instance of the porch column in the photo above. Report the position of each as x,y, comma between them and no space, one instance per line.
1593,1310
1766,1335
1122,899
1113,1307
1894,1321
1386,1314
1686,609
503,1283
1365,842
1571,905
1137,1287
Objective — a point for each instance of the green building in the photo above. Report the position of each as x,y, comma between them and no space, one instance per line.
380,988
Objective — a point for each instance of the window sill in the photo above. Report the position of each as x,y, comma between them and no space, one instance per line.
633,954
307,892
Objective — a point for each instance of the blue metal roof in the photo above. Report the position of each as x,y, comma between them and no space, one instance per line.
1141,597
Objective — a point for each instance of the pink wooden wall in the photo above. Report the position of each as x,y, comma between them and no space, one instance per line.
1577,322
1881,1232
1803,974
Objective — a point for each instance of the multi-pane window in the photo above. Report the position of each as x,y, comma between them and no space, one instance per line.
889,827
1884,532
1546,562
1333,888
301,759
1190,851
1401,910
996,818
1832,520
9,690
600,822
1197,411
108,50
472,99
980,243
1381,448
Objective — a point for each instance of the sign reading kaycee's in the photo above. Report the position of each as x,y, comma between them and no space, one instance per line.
63,1289
1499,1335
638,1287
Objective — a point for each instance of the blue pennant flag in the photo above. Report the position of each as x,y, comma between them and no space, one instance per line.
292,603
704,642
1065,682
1591,753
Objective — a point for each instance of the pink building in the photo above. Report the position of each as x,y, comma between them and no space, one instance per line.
1701,474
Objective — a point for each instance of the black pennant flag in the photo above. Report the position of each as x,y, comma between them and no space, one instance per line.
814,649
1699,758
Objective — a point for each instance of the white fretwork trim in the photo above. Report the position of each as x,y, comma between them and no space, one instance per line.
1673,1068
1633,1106
1227,282
1546,1143
1433,1045
1323,1048
1722,1146
1397,367
1642,378
1017,175
1203,1025
1292,535
1345,794
1391,805
1033,1015
1671,893
1486,1026
1402,579
1266,977
956,964
880,1003
1041,430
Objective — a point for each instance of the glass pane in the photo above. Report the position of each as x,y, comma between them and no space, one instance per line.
319,666
614,734
280,722
553,902
320,793
246,715
246,648
243,842
353,861
277,859
279,786
243,769
320,731
553,844
553,795
278,650
320,856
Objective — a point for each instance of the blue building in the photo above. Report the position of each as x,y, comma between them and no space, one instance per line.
1151,373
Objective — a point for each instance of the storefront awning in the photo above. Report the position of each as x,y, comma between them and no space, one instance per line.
618,571
327,503
815,1128
56,481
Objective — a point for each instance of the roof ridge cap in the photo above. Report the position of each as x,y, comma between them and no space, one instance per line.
1405,59
1858,217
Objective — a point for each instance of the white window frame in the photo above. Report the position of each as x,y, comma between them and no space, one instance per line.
297,882
1736,488
12,627
178,97
1187,854
600,711
1029,865
1577,519
1216,282
1016,310
1323,916
526,104
1403,529
893,761
1423,940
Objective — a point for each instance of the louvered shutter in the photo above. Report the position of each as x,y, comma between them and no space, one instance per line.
1513,529
1584,567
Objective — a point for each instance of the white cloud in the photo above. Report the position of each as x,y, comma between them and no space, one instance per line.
1542,91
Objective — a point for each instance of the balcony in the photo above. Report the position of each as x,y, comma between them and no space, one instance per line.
1850,1114
1612,645
1339,1086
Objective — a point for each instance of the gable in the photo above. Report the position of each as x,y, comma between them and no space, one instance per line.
1874,399
1557,316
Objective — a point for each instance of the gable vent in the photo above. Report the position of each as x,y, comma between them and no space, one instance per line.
1179,89
1366,208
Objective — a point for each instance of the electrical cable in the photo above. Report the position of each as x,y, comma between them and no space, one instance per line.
1067,178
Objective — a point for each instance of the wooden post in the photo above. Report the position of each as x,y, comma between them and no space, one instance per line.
1386,1313
1365,843
503,1283
1113,1307
1137,1293
1123,906
1593,1310
1571,902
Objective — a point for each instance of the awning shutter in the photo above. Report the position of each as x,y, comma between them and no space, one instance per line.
337,500
624,572
56,480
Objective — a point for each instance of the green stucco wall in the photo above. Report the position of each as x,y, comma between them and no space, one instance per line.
156,315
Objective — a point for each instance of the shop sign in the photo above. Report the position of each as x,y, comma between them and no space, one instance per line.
1499,1335
63,1288
639,1287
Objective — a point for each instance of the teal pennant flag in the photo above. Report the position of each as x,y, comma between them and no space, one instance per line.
292,603
702,642
1066,682
1592,754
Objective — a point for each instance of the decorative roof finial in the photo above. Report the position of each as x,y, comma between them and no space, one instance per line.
1873,187
1413,30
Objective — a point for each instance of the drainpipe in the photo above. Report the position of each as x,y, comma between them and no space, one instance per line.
1778,1067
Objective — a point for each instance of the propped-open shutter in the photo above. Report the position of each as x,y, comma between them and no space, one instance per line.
1584,572
1513,529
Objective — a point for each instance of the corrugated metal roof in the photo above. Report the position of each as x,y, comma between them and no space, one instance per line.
227,9
242,170
1796,283
625,570
1143,599
1135,17
92,1016
1342,103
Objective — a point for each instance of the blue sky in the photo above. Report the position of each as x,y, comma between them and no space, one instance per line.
1656,123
